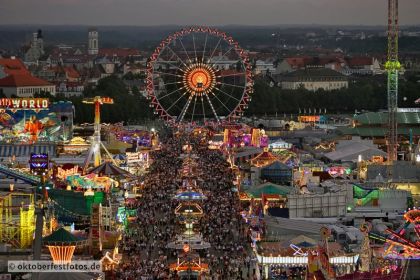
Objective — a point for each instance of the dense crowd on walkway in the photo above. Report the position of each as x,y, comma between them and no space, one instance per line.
144,243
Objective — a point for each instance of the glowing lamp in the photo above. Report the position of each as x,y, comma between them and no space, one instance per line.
186,248
89,192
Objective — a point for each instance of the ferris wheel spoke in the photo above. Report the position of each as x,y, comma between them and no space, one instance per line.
185,50
184,110
170,107
182,61
174,83
172,92
204,112
228,110
195,51
232,75
225,93
214,50
204,49
231,85
218,60
212,108
195,102
170,63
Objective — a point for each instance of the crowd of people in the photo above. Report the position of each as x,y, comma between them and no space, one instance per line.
144,244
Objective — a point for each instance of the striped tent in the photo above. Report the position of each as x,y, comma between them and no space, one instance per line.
109,169
8,150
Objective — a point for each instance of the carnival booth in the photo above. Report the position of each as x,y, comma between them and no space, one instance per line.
242,136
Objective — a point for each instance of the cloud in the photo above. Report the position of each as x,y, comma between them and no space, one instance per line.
210,12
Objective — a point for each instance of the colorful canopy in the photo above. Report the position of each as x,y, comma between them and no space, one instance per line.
62,237
264,159
268,189
109,169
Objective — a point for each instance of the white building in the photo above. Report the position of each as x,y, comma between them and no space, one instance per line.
314,79
264,66
317,205
24,86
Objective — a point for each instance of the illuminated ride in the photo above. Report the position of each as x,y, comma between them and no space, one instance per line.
199,74
404,243
96,144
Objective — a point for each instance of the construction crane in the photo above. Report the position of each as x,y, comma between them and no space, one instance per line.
392,67
95,147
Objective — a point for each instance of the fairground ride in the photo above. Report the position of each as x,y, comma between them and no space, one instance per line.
199,74
96,144
392,66
403,243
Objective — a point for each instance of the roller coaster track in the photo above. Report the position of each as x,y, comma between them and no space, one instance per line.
25,177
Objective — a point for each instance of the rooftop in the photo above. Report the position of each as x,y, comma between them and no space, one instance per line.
313,74
22,81
13,66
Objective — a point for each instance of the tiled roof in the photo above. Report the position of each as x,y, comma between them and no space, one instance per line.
359,61
71,72
313,74
299,62
13,66
22,81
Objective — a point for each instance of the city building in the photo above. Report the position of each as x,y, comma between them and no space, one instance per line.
331,204
12,66
362,65
36,49
93,41
24,86
264,66
314,79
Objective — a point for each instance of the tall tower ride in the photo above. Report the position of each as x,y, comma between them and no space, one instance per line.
392,66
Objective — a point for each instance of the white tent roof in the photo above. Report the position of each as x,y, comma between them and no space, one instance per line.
351,152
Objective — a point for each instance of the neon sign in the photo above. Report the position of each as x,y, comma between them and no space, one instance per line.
63,173
38,162
24,103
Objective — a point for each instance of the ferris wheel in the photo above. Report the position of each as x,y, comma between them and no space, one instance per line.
199,74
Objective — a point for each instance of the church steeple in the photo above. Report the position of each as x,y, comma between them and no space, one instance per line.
93,38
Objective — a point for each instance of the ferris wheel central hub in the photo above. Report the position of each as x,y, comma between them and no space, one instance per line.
199,79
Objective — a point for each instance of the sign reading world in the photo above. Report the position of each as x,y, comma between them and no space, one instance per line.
24,103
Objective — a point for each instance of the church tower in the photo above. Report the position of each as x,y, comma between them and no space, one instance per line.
93,41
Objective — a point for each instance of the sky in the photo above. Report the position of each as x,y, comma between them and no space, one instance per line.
204,12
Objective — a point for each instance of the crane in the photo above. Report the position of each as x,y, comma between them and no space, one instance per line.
392,67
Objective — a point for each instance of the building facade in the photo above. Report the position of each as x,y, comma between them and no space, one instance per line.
93,42
24,86
314,79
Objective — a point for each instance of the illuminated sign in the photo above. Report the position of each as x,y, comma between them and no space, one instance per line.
38,163
64,173
24,103
136,157
309,119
